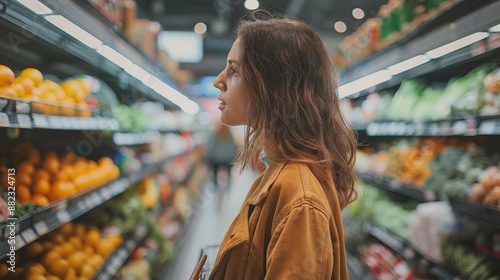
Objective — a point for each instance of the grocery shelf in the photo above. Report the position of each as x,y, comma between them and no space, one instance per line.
477,21
396,186
49,46
464,126
405,250
46,219
356,269
118,258
74,123
489,215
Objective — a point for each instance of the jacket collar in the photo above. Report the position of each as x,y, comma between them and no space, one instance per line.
265,183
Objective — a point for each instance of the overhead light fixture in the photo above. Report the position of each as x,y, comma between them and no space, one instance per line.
200,28
408,64
74,31
187,105
252,4
36,7
364,83
340,27
357,13
495,28
456,45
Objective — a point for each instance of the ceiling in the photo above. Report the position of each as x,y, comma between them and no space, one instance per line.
220,17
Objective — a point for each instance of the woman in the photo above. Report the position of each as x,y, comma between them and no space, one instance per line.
279,81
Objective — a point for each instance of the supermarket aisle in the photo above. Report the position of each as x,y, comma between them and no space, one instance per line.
210,221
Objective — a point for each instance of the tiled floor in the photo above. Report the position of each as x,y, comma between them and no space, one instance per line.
211,218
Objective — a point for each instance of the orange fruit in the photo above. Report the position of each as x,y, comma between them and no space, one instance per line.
47,245
105,161
67,249
71,274
104,248
93,238
6,76
61,189
50,257
23,178
41,174
34,74
66,229
58,239
27,84
95,261
34,157
41,187
89,250
36,268
65,174
4,271
76,242
40,199
51,163
25,167
59,268
79,231
7,91
19,89
23,194
76,260
86,270
52,277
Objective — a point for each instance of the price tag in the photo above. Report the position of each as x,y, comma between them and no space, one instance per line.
24,121
4,119
40,121
394,185
41,228
446,128
105,193
29,235
63,205
96,199
471,126
459,128
19,242
435,129
63,217
429,195
123,255
372,129
419,128
487,127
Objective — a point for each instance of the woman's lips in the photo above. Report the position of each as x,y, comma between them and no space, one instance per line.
222,105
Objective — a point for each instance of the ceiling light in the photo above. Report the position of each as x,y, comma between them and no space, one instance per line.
340,27
364,83
251,4
495,28
75,31
408,64
357,13
36,7
456,45
200,28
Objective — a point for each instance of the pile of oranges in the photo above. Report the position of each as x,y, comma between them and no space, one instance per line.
42,179
50,98
73,252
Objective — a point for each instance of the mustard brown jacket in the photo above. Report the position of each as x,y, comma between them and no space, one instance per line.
289,227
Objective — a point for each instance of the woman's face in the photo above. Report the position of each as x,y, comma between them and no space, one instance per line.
234,101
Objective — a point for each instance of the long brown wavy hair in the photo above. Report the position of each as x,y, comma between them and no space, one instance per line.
294,112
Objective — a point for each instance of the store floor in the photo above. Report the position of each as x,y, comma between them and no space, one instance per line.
209,222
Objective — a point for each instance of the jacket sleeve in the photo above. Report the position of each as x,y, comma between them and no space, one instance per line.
300,246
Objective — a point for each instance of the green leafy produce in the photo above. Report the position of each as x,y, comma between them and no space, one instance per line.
405,99
426,106
467,264
130,118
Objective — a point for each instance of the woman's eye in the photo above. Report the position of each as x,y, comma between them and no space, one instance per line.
232,71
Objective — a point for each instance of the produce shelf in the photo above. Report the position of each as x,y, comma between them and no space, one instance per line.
405,250
465,126
118,258
356,269
46,219
478,21
489,215
41,43
397,186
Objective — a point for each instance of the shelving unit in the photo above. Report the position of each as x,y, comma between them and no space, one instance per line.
462,19
47,219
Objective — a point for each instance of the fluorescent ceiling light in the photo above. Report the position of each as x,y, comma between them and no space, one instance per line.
456,45
408,64
114,56
75,31
36,7
364,83
495,28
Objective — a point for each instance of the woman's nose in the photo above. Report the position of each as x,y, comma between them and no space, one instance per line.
219,83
